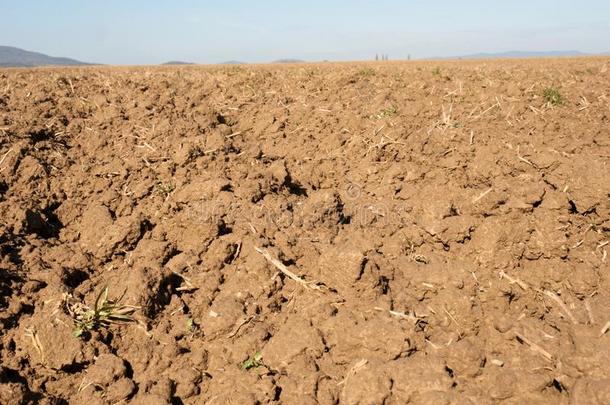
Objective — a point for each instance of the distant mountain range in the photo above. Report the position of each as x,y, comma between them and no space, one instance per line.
177,62
521,54
233,62
15,57
288,60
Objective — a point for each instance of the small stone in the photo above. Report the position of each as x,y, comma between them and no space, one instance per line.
497,362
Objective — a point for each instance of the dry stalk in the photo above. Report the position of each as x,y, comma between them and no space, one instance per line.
480,197
189,286
31,333
446,116
562,305
589,312
402,315
352,371
604,329
452,318
521,158
522,339
237,327
512,280
4,156
281,267
497,104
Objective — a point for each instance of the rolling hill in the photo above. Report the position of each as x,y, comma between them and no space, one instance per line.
16,57
177,62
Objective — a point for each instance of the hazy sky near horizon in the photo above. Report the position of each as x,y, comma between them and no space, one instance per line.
143,32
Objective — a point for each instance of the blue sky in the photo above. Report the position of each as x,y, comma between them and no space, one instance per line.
142,32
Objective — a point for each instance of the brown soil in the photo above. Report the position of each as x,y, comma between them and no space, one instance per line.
449,228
